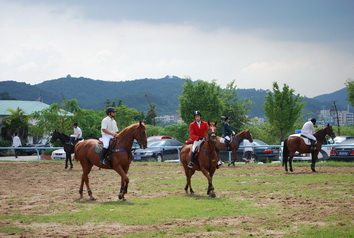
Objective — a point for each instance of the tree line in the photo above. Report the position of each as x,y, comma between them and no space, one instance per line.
283,109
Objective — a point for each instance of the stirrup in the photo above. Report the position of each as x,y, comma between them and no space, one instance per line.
190,165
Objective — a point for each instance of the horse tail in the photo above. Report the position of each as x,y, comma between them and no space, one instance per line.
285,152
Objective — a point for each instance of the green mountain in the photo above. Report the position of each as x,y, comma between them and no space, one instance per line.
163,92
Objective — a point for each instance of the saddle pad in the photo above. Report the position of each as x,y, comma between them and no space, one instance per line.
98,148
222,140
307,141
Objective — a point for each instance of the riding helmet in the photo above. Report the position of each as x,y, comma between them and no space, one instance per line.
110,109
75,124
227,118
313,120
197,113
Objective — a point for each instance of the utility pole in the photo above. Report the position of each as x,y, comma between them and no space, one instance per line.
335,108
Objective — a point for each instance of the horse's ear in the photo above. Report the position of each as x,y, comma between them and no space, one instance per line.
216,122
328,125
209,123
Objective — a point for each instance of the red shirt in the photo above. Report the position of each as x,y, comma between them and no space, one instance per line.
195,131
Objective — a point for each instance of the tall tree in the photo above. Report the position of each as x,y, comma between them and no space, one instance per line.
350,91
202,96
234,108
16,122
282,109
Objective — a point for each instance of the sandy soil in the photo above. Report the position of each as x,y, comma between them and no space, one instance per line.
31,188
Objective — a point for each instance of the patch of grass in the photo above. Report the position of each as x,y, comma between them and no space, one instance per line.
12,230
314,230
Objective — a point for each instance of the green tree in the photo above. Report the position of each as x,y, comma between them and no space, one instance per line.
234,107
350,91
178,131
282,109
16,122
202,96
50,119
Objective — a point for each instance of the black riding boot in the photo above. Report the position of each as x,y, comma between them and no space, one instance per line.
312,146
191,162
227,142
103,155
70,142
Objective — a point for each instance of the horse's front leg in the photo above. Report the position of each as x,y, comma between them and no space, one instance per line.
210,190
123,183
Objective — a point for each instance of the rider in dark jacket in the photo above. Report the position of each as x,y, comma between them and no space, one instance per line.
227,132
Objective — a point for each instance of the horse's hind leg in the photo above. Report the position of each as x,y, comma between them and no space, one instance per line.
85,179
291,163
189,173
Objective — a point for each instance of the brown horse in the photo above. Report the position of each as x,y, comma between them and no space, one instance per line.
296,143
120,156
235,143
205,161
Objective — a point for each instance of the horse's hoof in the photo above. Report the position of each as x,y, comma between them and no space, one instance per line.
92,199
120,196
212,195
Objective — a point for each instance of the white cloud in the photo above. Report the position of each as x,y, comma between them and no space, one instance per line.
43,43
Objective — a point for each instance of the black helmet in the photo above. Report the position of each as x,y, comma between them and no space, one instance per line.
197,113
75,124
313,120
110,109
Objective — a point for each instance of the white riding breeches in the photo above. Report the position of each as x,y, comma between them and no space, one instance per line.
105,139
196,144
309,136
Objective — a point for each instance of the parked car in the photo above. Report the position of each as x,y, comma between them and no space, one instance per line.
59,154
155,138
44,142
344,152
340,139
161,153
264,153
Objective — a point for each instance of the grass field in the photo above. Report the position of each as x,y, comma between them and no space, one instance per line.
40,199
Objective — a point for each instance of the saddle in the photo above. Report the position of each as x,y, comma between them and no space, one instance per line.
222,140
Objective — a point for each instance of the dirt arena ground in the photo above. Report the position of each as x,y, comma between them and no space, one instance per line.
31,188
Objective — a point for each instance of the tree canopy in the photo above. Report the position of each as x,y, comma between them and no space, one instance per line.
350,91
282,109
201,96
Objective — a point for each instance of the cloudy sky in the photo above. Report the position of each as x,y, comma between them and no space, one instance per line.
307,44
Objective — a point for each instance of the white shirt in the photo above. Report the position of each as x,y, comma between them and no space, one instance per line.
109,124
78,131
16,142
247,143
308,128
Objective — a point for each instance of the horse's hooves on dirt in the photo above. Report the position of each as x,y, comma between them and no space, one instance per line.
212,195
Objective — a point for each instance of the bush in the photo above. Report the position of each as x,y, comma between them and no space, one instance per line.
48,152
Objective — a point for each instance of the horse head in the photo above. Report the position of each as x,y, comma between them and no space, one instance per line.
212,131
248,135
54,136
329,131
140,135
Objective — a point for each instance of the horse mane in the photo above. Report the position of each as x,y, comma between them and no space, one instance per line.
241,132
128,128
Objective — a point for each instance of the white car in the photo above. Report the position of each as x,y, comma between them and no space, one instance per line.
59,154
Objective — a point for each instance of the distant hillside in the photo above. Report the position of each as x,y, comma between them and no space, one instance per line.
164,92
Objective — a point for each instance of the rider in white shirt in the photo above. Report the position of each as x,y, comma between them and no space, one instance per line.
308,130
109,129
77,134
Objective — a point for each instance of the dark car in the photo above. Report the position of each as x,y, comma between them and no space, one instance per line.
264,153
41,143
343,151
158,150
155,138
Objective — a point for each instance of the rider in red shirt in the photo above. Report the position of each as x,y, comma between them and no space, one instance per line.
197,130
